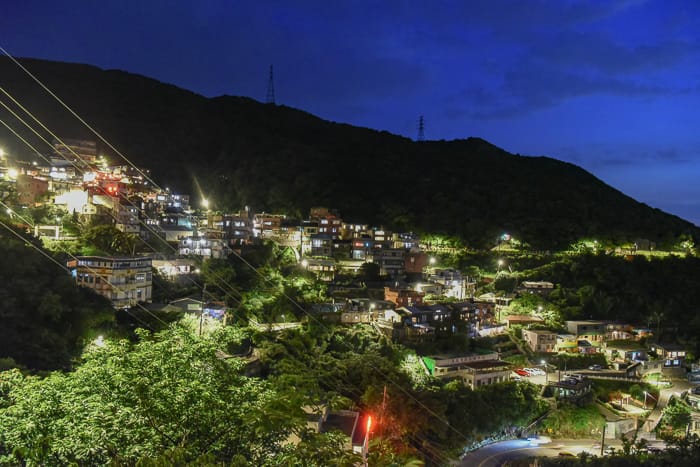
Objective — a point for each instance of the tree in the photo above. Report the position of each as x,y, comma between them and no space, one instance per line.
46,318
368,272
170,392
677,415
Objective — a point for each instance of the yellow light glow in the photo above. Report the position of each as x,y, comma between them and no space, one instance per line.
12,173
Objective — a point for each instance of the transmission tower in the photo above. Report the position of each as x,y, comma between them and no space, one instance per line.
270,98
421,129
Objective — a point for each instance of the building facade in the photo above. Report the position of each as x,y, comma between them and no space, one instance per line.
124,281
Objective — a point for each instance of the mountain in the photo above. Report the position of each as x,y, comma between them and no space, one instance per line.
237,152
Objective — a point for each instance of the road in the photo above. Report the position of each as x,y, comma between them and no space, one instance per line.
496,454
679,386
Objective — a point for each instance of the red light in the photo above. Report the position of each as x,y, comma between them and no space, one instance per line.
369,423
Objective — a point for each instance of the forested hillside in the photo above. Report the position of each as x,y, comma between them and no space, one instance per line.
278,158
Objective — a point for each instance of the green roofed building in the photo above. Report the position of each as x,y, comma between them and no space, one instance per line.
474,369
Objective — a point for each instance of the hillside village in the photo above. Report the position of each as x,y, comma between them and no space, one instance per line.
392,281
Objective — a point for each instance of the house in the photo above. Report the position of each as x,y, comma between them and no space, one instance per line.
211,309
570,388
321,245
353,426
522,320
673,355
403,296
323,268
30,189
389,260
475,369
355,317
204,247
454,285
592,331
361,248
536,287
349,423
540,340
585,347
415,261
567,343
617,427
693,400
625,350
125,281
267,225
435,315
619,331
174,268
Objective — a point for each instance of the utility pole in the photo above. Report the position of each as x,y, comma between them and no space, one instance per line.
270,97
381,419
201,308
602,441
421,129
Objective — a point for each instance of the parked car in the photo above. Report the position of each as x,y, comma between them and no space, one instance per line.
522,372
595,367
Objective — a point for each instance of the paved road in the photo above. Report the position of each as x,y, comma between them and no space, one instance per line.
496,454
665,395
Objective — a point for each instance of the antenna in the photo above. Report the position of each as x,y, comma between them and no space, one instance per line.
421,129
270,98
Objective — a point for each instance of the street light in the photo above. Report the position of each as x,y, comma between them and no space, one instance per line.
544,364
366,443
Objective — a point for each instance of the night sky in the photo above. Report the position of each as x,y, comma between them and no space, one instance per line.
611,86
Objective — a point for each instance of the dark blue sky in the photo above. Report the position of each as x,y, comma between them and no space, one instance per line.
611,86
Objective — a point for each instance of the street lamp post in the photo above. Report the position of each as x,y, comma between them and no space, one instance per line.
544,364
366,443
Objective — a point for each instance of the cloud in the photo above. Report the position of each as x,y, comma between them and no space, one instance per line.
527,89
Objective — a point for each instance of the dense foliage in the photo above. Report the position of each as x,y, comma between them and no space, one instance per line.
659,293
682,452
278,158
45,318
171,395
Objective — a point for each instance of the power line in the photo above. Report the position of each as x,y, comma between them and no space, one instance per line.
78,169
291,300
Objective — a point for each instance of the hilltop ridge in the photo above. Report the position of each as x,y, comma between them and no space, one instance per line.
272,157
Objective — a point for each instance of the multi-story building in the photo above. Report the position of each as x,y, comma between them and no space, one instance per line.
454,284
592,331
477,369
403,296
267,225
389,260
124,281
30,189
540,340
537,287
204,247
361,248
